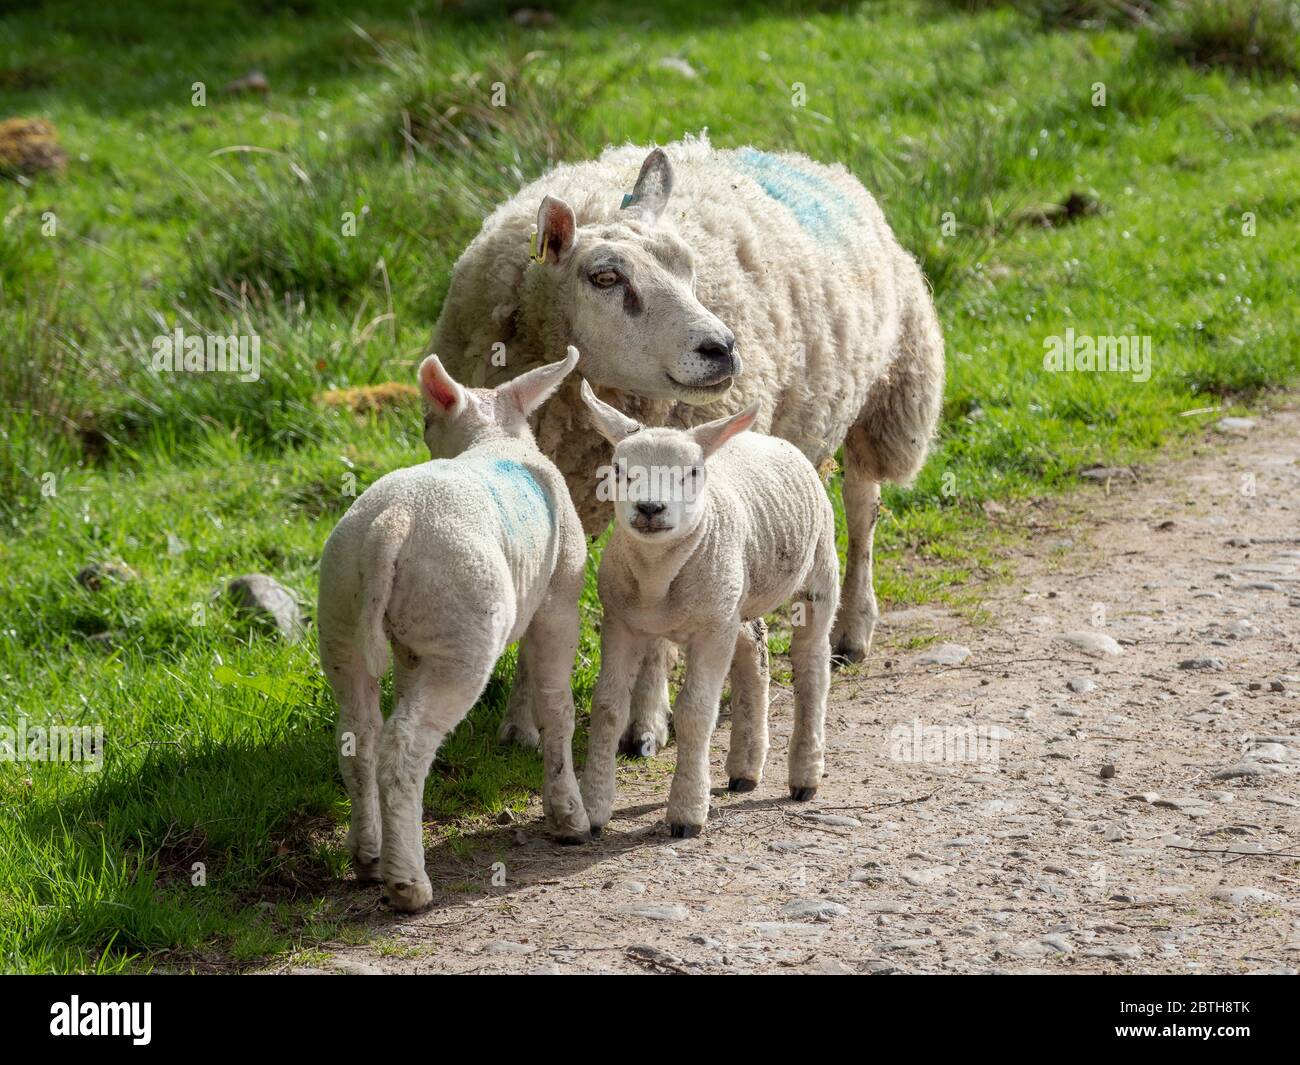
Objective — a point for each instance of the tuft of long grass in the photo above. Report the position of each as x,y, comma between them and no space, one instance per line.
1246,36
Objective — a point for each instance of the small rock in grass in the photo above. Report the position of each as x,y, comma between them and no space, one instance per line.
944,654
94,576
259,596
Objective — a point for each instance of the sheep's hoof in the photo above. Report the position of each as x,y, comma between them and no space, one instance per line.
642,747
596,830
741,784
802,794
511,734
686,831
367,869
408,897
845,655
573,840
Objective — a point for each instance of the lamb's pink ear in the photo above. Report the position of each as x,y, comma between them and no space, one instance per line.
529,391
653,187
441,393
614,425
557,229
712,435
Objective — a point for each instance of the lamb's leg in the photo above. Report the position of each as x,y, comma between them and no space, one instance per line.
858,611
750,673
549,649
647,731
431,698
357,737
620,657
520,723
695,715
810,659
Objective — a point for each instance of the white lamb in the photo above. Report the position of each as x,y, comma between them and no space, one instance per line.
707,539
695,281
449,562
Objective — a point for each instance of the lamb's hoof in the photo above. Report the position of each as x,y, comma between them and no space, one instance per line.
741,784
643,747
596,830
511,734
367,870
847,655
685,831
802,794
573,839
408,897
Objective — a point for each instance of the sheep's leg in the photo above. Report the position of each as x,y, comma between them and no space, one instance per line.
750,674
858,610
357,736
647,731
695,715
432,698
520,723
549,649
810,659
620,657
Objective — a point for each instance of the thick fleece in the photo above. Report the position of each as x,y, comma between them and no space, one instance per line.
447,563
833,324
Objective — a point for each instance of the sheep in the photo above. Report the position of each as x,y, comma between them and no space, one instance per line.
707,539
448,563
717,257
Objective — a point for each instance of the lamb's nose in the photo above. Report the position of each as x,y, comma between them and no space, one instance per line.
719,349
651,510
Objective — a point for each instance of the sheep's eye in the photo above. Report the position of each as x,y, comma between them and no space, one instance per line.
605,278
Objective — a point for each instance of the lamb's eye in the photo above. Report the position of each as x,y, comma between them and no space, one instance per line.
605,278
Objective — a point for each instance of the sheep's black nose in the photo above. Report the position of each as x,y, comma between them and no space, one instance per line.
717,349
651,510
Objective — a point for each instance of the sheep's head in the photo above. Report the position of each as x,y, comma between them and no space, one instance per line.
456,417
626,290
658,477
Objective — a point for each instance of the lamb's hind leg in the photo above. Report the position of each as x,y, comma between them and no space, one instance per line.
519,726
810,659
357,737
750,676
647,729
856,624
432,696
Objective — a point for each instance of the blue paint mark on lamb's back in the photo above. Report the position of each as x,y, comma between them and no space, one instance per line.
519,499
817,205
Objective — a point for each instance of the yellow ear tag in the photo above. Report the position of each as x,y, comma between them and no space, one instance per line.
532,249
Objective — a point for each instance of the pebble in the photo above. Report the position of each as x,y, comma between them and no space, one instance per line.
1081,685
259,596
814,908
1244,896
922,877
507,946
1117,952
909,946
1234,426
656,913
1092,643
1216,664
835,820
944,654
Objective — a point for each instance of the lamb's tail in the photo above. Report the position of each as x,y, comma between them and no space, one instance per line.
383,542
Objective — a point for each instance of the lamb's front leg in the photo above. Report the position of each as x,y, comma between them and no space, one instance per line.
708,657
549,649
620,656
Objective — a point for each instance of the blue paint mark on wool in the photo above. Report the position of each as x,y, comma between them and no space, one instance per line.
518,497
818,206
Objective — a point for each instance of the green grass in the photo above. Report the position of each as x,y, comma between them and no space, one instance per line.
219,746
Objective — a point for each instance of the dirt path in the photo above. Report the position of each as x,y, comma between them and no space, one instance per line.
1080,827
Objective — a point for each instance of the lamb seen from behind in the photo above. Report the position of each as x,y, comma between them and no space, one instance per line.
707,539
449,562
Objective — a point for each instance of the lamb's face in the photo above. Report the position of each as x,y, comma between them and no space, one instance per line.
632,309
660,477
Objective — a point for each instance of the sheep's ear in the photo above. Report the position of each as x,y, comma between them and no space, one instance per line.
529,391
441,393
712,435
653,187
557,229
614,425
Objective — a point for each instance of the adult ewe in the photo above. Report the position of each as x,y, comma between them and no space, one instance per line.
724,277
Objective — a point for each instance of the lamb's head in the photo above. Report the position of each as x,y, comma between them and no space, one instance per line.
658,478
626,292
456,417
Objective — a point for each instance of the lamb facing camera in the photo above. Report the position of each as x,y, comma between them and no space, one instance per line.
714,527
448,563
